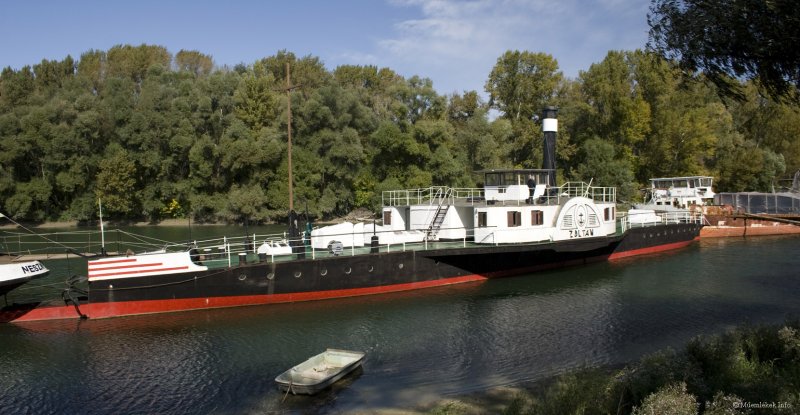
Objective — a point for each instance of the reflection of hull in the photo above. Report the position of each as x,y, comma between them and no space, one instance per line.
345,276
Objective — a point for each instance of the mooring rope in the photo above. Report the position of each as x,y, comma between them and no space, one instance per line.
69,249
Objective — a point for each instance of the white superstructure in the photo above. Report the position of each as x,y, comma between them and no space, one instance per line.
680,192
503,212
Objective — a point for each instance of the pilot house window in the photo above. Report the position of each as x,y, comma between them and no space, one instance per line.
514,218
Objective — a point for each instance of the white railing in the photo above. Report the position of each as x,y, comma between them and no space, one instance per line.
429,195
581,189
662,218
434,195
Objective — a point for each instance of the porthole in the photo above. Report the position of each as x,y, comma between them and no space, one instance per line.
400,265
242,277
370,268
348,270
271,276
323,272
298,274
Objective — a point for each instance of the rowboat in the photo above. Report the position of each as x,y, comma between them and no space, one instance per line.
319,372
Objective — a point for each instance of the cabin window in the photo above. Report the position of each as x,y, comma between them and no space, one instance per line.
537,217
387,217
514,218
481,219
609,213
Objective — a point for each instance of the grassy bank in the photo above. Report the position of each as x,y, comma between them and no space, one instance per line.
7,225
753,369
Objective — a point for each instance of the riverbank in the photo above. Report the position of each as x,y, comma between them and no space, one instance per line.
361,214
751,367
76,224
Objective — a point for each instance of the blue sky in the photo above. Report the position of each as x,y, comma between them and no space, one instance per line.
454,42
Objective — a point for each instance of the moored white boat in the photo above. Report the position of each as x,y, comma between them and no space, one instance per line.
14,274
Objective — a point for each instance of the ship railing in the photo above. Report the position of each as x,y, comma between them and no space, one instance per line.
469,195
234,251
569,190
64,244
429,195
434,195
660,218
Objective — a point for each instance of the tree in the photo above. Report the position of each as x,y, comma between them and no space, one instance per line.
730,40
116,183
622,115
194,62
519,86
256,101
604,168
133,61
246,203
15,86
522,83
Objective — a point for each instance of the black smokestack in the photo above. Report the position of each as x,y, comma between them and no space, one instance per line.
550,128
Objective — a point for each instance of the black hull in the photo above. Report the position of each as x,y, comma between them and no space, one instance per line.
316,277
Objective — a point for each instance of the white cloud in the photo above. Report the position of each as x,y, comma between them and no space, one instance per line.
456,42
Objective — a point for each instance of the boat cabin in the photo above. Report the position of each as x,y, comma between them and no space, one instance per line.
681,192
514,185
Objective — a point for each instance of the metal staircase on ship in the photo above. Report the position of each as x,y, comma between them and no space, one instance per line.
443,195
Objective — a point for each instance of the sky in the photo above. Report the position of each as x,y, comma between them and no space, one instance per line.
455,43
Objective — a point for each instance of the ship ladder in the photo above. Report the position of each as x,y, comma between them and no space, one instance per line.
438,218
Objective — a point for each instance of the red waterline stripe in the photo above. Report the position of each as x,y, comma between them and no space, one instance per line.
134,272
651,250
105,310
113,261
154,264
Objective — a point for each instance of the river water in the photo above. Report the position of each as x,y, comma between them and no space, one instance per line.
420,345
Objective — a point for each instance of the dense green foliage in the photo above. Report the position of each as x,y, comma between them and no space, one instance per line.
159,136
733,373
727,39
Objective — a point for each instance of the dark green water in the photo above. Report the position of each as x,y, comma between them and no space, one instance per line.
420,345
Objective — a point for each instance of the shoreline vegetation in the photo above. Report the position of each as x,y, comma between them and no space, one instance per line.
749,370
155,135
360,214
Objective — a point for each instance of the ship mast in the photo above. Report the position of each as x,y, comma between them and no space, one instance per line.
293,229
288,89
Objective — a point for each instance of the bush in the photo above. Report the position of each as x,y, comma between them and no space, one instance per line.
710,376
671,400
